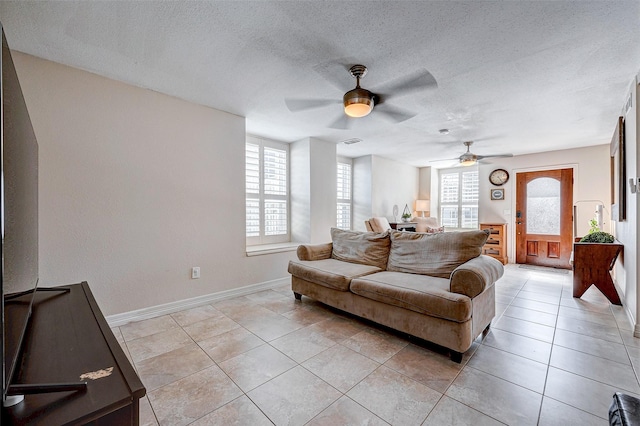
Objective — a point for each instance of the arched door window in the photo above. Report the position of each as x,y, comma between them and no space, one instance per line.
543,206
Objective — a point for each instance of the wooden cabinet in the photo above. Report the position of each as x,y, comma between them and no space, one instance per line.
67,340
496,245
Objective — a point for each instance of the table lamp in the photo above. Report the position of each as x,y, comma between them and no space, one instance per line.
422,206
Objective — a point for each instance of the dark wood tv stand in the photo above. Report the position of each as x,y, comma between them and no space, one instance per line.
68,336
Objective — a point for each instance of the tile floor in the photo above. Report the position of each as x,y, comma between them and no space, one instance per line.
267,359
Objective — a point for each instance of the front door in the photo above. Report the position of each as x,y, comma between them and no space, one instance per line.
544,218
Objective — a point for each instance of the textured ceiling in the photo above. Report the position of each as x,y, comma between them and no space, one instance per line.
518,76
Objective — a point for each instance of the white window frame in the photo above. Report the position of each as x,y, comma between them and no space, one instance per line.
459,203
262,238
342,201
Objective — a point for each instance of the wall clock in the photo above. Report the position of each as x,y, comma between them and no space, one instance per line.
499,177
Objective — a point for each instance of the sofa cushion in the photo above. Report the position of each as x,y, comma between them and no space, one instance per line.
419,293
367,248
433,254
330,273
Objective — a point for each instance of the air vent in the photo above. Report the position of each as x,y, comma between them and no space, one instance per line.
351,141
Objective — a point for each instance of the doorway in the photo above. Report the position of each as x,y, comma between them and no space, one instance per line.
544,218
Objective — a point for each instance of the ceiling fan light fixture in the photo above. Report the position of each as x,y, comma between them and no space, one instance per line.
358,102
468,159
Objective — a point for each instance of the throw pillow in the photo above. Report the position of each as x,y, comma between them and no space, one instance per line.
431,230
433,254
367,248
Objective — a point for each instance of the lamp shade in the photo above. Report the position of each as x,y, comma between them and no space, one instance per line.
422,205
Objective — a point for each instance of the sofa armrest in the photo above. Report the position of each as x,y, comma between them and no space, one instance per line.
314,251
476,275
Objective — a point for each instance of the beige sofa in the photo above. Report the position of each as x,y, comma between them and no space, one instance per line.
437,287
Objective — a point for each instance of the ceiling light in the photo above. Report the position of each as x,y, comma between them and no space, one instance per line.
468,160
444,131
358,102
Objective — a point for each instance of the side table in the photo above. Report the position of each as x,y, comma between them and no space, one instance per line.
404,226
591,265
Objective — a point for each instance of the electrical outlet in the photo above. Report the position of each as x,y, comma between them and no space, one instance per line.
195,272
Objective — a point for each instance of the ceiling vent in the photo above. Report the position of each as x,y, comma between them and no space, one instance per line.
351,141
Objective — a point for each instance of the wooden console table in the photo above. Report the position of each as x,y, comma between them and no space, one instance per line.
592,263
68,336
404,226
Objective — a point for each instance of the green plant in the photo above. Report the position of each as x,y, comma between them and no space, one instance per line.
593,226
406,214
598,237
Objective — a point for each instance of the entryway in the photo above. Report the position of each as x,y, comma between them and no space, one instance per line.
544,218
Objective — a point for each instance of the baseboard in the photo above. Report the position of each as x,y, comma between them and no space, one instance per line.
632,321
168,308
630,318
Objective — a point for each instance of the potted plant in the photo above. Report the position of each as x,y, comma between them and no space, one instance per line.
406,214
598,237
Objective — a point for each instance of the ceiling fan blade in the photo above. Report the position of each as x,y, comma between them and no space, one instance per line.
445,164
336,73
445,159
482,157
343,122
419,80
296,105
393,113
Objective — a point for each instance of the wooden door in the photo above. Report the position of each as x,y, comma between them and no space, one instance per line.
544,218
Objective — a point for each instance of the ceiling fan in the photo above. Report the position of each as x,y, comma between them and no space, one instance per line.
469,158
359,102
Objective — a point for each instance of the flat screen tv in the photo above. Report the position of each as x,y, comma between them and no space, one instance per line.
19,217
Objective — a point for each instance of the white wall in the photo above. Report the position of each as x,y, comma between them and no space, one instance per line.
630,235
313,190
137,187
362,191
424,190
378,185
323,189
300,186
626,270
591,181
393,183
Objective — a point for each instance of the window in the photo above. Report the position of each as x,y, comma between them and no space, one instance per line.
459,199
267,191
543,206
343,217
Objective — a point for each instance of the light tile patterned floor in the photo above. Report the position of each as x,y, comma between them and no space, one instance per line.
267,359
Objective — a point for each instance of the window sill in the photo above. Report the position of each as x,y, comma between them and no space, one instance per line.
271,248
